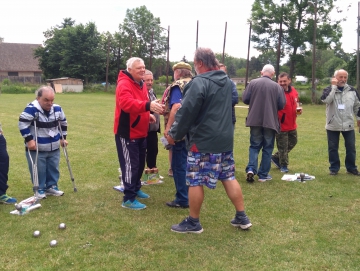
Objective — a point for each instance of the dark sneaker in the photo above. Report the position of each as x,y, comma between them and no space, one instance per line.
284,169
170,173
242,222
354,172
250,176
275,161
7,200
135,205
333,172
264,179
186,226
174,204
140,194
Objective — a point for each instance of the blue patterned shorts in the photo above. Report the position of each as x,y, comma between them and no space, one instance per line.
208,168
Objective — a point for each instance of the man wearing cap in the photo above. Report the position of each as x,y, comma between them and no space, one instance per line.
182,75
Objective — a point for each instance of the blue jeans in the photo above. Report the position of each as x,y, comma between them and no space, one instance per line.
178,165
48,167
333,149
260,138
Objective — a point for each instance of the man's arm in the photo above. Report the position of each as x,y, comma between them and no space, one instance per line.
235,95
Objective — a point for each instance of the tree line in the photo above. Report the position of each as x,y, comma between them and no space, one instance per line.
78,50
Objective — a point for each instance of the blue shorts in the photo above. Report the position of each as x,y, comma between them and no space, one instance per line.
208,168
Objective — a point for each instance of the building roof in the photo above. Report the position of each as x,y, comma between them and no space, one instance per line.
18,57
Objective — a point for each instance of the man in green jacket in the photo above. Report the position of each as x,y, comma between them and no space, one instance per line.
204,118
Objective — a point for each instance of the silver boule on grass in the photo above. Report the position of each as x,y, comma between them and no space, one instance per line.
36,233
53,243
62,226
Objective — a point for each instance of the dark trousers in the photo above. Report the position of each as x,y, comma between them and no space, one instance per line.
333,149
131,154
151,149
4,165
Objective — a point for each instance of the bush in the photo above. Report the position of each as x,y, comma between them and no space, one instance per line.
15,88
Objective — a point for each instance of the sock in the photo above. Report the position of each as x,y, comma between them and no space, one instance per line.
240,213
193,220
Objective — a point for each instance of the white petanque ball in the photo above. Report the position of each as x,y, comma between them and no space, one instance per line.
62,226
53,243
36,233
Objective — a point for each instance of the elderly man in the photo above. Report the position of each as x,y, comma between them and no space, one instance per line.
182,75
342,104
154,128
265,98
131,124
47,117
205,118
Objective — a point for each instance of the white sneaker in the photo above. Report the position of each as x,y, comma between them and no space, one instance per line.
54,191
40,194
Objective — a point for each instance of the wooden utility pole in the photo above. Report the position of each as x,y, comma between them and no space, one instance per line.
247,62
279,45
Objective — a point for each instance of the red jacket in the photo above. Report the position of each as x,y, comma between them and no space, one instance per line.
287,116
132,109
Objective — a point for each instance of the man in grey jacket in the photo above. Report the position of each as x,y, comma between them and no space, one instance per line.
342,104
264,97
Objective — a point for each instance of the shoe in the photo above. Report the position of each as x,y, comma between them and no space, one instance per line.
242,222
354,172
7,200
275,161
140,194
333,172
170,172
135,205
176,205
250,176
284,169
54,191
264,179
186,226
40,194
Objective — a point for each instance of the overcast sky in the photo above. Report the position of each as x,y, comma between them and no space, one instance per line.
25,21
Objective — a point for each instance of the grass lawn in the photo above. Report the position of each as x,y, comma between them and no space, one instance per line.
296,226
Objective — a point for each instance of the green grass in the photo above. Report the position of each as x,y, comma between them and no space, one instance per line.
310,226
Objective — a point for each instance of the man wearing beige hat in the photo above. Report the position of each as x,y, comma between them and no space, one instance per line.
182,75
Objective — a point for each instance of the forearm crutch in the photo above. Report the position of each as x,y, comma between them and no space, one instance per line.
66,157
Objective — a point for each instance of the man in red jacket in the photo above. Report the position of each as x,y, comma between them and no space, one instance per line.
287,138
131,125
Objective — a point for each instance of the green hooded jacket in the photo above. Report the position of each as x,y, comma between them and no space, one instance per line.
205,114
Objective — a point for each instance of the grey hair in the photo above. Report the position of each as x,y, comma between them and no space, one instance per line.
41,89
207,57
185,73
148,72
341,70
130,62
268,68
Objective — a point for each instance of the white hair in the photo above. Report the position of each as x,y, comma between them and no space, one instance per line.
130,62
268,68
148,72
341,70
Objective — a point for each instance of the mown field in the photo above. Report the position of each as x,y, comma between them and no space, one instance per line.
296,226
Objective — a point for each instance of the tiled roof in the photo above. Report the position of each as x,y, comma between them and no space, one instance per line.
18,57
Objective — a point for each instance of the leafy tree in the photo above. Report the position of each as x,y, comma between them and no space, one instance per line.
298,21
142,33
72,51
351,69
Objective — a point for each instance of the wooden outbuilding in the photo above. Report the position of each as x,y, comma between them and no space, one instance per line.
66,84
